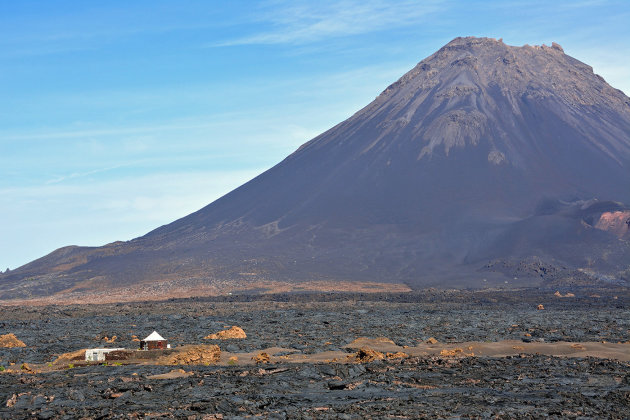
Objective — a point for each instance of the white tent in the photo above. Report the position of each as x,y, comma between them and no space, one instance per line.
154,336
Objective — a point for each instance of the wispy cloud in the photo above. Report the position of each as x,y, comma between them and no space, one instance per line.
300,22
74,175
139,129
243,118
539,6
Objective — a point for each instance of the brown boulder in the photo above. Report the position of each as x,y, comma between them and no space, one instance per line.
451,353
234,332
193,355
10,340
261,357
366,355
71,357
397,355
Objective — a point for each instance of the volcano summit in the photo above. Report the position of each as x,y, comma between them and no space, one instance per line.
485,164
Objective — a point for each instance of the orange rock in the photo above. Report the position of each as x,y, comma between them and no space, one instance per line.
615,222
366,355
540,307
234,332
192,355
432,341
397,355
27,368
71,357
10,340
450,353
261,357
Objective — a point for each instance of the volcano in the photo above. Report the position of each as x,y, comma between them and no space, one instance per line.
485,164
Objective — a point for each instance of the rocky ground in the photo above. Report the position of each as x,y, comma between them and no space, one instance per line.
513,386
411,388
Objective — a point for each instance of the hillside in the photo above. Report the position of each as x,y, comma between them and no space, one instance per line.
484,165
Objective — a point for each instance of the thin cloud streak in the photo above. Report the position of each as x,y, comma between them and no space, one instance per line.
106,131
305,22
357,84
75,175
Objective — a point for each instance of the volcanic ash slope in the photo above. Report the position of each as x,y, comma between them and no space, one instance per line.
485,163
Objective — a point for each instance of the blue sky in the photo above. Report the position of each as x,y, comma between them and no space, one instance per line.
118,117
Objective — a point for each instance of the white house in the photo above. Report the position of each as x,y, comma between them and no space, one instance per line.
98,355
